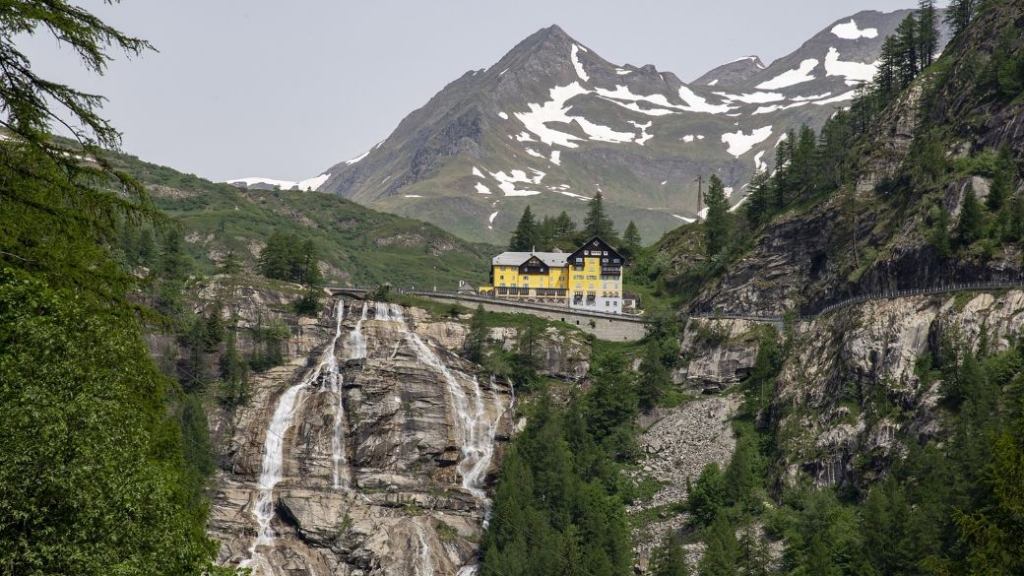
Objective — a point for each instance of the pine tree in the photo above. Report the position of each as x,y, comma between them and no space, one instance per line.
927,32
653,380
1002,181
525,237
723,551
959,14
476,339
969,228
597,223
631,242
669,558
886,76
907,44
716,224
706,497
739,480
758,205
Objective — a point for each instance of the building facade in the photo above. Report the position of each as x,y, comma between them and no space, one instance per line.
588,279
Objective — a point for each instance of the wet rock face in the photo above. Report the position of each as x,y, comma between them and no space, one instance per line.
852,389
419,443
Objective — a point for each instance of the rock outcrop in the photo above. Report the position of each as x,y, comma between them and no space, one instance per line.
852,390
384,459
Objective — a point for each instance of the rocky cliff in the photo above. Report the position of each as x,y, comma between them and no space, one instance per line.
372,456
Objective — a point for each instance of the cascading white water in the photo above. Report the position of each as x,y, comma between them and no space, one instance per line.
356,342
425,566
474,432
273,458
273,450
335,380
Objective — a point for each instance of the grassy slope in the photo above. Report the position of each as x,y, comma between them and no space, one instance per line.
357,245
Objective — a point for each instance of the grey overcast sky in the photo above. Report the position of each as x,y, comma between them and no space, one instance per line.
285,89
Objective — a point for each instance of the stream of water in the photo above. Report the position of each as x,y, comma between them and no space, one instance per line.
284,416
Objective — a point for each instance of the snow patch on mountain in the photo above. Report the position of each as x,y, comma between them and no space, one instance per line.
644,135
840,98
740,143
553,110
534,153
358,158
307,185
477,172
556,157
574,55
503,115
760,165
753,98
507,182
312,184
850,31
854,72
792,77
482,189
695,103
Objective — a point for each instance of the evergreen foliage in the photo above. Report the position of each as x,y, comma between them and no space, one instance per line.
101,458
92,474
597,223
476,339
716,225
669,558
526,235
287,257
632,244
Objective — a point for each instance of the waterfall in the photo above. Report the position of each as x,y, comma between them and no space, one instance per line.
426,563
473,431
284,415
273,458
335,380
356,342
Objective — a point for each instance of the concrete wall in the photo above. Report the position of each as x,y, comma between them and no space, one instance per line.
604,327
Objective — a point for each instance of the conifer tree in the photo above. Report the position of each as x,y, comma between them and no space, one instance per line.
971,219
631,242
669,558
706,497
653,380
716,224
597,222
477,337
907,44
959,14
1002,181
927,32
723,551
525,237
758,205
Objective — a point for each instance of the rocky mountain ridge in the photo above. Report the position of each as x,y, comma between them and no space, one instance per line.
552,123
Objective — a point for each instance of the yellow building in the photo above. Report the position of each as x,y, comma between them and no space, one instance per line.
588,279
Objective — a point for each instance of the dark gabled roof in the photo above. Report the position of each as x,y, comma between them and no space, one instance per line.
596,243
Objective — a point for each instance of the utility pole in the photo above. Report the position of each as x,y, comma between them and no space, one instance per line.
700,194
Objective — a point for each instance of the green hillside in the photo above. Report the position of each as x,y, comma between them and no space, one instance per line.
355,245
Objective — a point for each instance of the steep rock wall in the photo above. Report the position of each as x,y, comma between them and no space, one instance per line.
403,490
